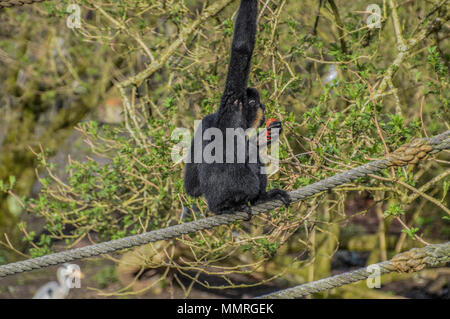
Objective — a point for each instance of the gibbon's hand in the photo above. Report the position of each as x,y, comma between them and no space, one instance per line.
272,124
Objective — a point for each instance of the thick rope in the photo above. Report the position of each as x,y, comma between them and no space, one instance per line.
17,3
409,153
415,259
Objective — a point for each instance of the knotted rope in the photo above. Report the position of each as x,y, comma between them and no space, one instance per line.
413,260
409,153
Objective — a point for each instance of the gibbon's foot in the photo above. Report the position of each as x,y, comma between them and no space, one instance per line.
280,195
248,209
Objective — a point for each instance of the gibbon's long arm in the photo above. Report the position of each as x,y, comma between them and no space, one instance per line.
242,48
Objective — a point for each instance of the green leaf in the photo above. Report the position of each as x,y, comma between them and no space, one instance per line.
12,181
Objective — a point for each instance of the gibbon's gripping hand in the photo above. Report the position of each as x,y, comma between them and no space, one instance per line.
272,124
266,136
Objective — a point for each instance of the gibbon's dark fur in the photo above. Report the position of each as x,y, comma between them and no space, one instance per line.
228,187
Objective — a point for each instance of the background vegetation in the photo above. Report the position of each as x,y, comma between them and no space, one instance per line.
87,116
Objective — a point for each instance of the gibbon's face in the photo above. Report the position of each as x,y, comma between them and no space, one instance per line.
255,109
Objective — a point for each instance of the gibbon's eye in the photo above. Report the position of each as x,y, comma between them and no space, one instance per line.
251,102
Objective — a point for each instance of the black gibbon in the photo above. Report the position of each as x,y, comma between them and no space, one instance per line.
229,187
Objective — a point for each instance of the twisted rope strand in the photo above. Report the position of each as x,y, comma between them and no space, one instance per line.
408,153
17,3
413,260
